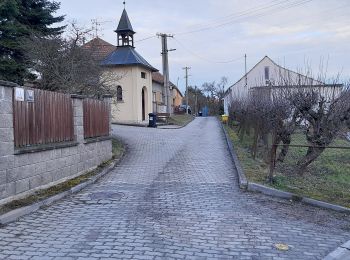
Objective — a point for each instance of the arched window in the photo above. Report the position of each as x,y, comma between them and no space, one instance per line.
119,93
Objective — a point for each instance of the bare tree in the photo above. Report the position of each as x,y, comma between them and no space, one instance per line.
324,119
196,98
216,93
278,114
265,117
63,64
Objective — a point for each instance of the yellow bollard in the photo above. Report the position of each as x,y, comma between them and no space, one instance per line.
224,118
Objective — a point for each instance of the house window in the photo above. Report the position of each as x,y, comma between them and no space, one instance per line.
143,75
267,73
119,93
154,96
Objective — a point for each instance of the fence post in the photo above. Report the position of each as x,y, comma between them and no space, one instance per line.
272,162
6,139
78,118
108,99
6,119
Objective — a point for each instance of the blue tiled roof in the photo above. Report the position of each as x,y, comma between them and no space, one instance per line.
126,55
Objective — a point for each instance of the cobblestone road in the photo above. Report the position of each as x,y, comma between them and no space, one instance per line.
174,196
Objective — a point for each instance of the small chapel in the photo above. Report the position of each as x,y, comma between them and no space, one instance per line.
133,101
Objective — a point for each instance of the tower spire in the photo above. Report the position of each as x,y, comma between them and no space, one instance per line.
125,31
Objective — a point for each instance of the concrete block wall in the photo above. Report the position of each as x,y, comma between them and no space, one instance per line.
22,174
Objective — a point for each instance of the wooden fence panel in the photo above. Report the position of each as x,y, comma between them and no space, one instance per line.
96,118
49,119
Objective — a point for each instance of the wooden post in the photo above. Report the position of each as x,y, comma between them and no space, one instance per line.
272,162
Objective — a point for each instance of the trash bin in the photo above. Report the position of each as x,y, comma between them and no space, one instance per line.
224,118
152,122
200,113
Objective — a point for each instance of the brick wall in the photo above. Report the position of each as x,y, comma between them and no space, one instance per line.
23,173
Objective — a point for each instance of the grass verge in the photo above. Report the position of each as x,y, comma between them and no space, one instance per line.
327,178
180,120
118,150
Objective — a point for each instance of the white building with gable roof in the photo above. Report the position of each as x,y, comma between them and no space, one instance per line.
267,76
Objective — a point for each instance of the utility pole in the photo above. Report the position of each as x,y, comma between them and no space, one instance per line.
195,101
165,62
245,70
186,77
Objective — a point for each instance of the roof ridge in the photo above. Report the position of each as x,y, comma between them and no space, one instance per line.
98,39
267,57
248,71
281,67
126,55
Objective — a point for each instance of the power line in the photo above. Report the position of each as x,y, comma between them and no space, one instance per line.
205,59
153,36
235,15
228,16
147,38
251,14
328,17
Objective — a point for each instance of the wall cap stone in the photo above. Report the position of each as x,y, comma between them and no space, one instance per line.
4,83
44,147
77,96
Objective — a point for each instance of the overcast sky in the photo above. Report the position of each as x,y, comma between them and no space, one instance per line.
294,33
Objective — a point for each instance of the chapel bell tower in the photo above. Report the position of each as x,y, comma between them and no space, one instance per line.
125,31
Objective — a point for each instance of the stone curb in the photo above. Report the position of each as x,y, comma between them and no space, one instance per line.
139,125
179,127
20,212
291,196
322,204
254,187
340,253
193,118
166,127
129,124
270,191
242,180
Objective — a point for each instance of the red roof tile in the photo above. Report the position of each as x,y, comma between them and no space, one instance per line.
159,78
100,48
